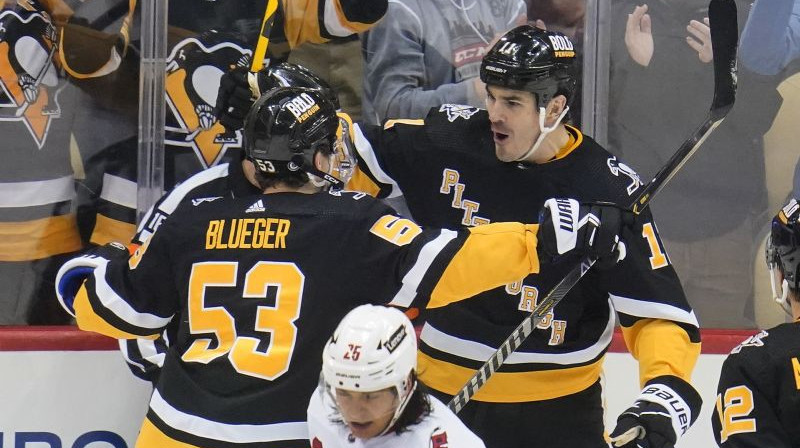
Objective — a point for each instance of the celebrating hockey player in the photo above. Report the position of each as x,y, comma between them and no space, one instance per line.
465,167
260,281
369,389
758,395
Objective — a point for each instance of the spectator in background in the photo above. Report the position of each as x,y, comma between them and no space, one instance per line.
568,17
659,58
425,53
771,37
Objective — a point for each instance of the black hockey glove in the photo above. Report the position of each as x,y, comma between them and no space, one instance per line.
665,409
591,228
235,97
74,272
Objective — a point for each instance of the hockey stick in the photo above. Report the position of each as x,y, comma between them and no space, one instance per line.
724,39
257,63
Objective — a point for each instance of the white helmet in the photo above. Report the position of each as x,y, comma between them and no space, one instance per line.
373,348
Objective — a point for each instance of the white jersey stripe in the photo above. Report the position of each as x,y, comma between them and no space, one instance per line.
114,303
119,191
477,351
366,152
413,277
653,310
173,199
43,192
210,429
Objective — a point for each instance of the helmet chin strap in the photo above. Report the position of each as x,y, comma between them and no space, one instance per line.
781,300
544,131
400,408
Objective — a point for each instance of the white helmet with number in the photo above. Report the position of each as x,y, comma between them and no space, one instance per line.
373,348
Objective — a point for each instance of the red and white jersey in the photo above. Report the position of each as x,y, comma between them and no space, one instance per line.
439,429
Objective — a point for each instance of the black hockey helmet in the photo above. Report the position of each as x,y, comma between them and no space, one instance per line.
534,60
286,127
783,246
286,74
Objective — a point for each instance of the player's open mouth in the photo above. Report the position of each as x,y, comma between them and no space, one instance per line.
500,137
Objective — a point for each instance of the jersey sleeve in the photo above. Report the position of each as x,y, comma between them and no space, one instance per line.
744,415
322,20
130,297
658,324
435,267
374,171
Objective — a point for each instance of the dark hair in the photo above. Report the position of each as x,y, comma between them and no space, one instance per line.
290,179
418,407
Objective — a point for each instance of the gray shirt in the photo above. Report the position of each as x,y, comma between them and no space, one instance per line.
426,52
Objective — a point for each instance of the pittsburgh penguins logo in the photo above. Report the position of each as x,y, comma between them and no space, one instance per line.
30,81
456,111
616,167
194,69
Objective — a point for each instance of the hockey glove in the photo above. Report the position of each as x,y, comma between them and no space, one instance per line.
665,409
592,228
74,272
238,90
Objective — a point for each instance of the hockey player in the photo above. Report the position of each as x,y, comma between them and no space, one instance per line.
464,166
758,395
206,39
260,281
146,356
369,389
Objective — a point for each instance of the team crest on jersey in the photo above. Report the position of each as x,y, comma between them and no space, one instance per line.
30,80
194,69
199,201
755,340
618,168
456,111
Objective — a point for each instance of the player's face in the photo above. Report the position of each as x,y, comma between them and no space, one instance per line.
515,121
367,414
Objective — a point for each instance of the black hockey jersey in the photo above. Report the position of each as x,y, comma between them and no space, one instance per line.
758,395
145,357
445,167
259,283
206,39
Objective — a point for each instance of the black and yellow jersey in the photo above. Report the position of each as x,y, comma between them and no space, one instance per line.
258,283
758,394
446,169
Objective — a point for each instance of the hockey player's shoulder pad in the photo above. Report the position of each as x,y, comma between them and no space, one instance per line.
458,127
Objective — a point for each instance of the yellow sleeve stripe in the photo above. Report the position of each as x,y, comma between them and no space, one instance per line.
361,182
107,230
493,255
88,320
662,347
390,123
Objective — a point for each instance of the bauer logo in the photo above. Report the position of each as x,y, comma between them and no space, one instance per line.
302,107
